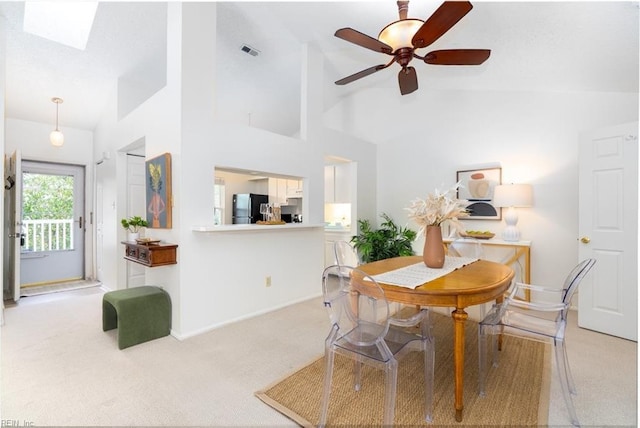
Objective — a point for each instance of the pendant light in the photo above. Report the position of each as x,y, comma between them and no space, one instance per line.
56,137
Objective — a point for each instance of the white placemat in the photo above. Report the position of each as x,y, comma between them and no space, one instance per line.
414,275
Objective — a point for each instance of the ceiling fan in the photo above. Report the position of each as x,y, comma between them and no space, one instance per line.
402,38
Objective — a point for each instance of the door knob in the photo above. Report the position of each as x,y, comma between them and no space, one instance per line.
585,239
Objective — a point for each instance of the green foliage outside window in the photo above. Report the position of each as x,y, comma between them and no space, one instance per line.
47,197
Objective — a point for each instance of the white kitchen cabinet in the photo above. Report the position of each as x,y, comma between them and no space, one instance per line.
329,189
342,183
281,189
294,188
337,183
278,191
273,189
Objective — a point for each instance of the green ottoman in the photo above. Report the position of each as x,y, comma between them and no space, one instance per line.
140,314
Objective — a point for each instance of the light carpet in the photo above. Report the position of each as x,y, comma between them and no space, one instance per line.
517,391
58,368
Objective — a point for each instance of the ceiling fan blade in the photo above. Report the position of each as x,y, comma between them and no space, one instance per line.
361,39
360,74
445,17
457,56
408,80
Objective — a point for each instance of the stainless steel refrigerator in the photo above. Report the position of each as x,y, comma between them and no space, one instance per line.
246,207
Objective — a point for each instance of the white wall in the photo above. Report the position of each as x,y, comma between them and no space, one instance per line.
32,138
226,272
364,156
157,123
533,136
220,277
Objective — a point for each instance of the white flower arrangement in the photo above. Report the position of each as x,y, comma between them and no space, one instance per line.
437,209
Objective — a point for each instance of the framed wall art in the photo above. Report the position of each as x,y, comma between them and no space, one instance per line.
158,191
477,187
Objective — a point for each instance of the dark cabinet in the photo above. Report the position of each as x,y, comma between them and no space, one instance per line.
150,255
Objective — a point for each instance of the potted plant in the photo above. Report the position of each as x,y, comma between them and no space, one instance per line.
430,213
390,240
133,226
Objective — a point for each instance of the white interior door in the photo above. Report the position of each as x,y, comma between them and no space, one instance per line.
608,227
136,205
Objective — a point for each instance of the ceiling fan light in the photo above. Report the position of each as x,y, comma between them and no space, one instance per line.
398,34
57,138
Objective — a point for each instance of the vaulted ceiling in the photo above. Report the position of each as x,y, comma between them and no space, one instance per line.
540,46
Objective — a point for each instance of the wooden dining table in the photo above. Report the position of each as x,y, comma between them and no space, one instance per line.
475,283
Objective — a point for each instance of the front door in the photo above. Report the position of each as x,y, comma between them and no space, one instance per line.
13,228
52,223
608,228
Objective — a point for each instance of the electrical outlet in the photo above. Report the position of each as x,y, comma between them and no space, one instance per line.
267,281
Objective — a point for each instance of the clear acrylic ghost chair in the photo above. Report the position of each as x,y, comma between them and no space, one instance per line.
544,321
361,330
468,247
403,316
345,254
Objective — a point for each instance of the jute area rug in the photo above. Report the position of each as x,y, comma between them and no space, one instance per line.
517,391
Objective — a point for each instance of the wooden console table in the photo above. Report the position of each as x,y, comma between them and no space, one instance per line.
517,250
150,255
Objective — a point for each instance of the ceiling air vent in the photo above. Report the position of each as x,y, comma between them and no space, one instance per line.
248,49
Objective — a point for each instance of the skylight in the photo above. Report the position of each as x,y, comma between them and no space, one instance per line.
63,22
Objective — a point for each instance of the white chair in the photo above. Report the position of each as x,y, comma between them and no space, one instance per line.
345,254
361,330
537,321
466,247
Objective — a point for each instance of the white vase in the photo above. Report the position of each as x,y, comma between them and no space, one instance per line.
133,236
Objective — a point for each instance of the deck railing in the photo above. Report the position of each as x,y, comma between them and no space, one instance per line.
48,235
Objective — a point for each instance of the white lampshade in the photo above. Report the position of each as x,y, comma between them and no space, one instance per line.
512,196
57,138
398,34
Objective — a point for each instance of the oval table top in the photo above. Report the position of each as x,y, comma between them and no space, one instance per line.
475,283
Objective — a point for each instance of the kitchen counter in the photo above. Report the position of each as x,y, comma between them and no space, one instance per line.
331,229
254,227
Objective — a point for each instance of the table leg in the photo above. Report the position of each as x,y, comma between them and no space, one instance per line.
459,318
499,300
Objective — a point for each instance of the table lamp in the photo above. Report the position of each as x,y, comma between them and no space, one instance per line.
511,196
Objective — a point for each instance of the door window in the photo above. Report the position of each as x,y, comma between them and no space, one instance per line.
47,212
